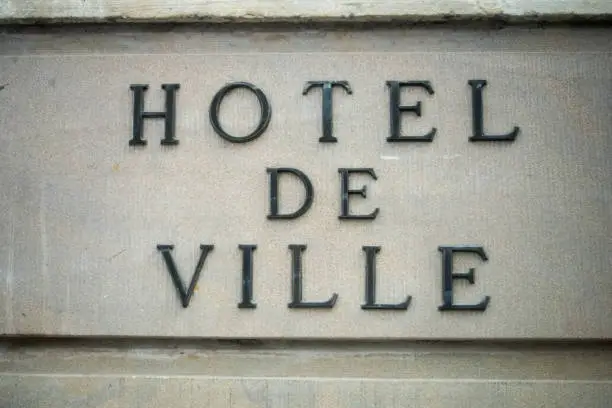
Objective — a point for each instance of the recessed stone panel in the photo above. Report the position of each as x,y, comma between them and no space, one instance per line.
83,212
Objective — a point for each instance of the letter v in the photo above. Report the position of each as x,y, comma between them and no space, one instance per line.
185,294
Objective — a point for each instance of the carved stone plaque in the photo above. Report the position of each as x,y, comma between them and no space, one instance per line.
393,184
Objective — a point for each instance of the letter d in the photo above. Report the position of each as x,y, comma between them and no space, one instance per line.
274,197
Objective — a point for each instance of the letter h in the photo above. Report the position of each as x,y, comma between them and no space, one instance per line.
140,115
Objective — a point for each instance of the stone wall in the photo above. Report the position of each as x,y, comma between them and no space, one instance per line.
89,315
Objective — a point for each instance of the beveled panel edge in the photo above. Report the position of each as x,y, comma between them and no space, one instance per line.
71,11
160,39
446,360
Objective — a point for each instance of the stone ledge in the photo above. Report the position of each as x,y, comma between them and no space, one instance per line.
408,361
60,373
29,11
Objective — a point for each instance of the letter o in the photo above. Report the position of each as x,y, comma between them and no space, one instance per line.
264,120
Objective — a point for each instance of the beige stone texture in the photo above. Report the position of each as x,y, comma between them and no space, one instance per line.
81,212
305,375
296,10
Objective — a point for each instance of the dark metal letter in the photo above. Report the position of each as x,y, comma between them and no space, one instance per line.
448,275
247,277
274,196
345,192
327,103
296,283
396,109
370,284
477,116
264,120
140,115
184,294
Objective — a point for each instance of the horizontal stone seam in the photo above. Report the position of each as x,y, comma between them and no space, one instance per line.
305,378
246,53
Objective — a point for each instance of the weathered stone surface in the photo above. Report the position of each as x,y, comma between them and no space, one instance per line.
51,391
271,10
313,376
81,212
